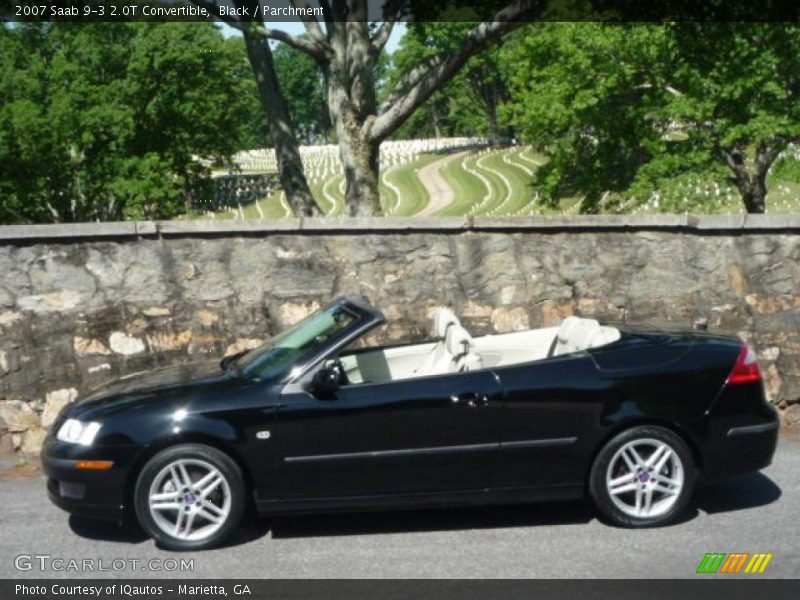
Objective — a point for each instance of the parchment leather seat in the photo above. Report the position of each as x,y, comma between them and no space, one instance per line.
437,360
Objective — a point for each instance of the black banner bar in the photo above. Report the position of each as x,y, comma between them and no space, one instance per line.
701,588
242,11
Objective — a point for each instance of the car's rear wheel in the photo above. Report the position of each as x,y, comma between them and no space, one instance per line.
190,497
643,477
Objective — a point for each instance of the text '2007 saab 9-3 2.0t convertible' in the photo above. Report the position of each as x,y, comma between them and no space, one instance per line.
311,421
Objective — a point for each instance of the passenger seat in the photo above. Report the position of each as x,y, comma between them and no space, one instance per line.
574,334
577,334
438,359
460,346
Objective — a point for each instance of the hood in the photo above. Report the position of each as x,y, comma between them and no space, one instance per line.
166,378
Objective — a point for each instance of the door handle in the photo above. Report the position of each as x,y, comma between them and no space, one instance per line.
470,400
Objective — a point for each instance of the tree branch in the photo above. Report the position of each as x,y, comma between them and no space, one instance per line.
315,45
391,10
767,153
317,50
425,79
310,23
380,38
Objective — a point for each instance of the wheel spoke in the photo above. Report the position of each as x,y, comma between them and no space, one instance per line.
177,477
648,500
658,477
166,505
204,480
636,458
629,461
187,526
656,455
181,516
666,485
628,487
660,487
662,461
210,487
187,480
639,494
208,515
214,508
627,478
164,496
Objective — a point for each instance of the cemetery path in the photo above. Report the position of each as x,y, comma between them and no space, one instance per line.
439,191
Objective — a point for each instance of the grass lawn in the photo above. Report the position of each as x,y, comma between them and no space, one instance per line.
469,190
489,182
413,196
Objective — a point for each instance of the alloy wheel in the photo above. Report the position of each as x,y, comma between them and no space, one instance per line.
645,478
189,499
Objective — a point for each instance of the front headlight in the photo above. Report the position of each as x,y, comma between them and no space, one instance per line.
77,432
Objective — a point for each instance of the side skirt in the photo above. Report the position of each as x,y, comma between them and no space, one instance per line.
428,500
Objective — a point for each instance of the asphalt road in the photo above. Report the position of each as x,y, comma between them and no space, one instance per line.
755,513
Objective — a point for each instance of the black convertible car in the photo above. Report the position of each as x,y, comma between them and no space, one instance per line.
311,421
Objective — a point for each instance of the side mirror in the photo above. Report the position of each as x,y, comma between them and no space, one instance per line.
325,382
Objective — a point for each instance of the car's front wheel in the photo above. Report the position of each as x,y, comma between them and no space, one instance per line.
190,497
643,477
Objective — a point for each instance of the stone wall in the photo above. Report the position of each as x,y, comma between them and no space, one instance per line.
81,304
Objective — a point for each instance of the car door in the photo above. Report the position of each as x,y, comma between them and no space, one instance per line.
550,421
429,434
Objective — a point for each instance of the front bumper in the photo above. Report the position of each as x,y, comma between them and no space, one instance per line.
87,493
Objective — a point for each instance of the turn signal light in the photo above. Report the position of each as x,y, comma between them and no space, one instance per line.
746,368
94,465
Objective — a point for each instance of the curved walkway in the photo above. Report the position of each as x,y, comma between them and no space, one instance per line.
439,191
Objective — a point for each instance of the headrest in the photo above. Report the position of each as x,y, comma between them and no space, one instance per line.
577,333
604,335
458,341
442,319
567,328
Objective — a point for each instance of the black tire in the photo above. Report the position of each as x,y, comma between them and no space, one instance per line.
601,495
223,463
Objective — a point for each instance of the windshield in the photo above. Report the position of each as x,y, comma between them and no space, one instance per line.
297,344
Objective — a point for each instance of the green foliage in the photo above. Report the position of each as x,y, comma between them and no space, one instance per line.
788,168
467,105
106,121
643,111
304,89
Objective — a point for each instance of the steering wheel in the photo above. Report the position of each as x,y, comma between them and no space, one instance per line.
338,368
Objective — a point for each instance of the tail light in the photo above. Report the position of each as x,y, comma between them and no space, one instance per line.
746,368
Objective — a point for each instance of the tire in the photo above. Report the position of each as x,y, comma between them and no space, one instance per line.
660,466
209,504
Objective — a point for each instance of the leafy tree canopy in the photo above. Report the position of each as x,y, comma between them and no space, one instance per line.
108,121
639,112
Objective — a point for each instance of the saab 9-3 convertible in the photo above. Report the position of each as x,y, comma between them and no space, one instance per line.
313,421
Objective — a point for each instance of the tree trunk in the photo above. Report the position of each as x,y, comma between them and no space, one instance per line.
754,196
347,54
437,132
752,186
290,165
362,167
360,157
491,115
351,102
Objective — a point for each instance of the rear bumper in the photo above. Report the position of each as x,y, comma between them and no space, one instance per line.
745,447
741,432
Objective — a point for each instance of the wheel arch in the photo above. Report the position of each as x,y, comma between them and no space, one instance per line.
187,438
681,432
